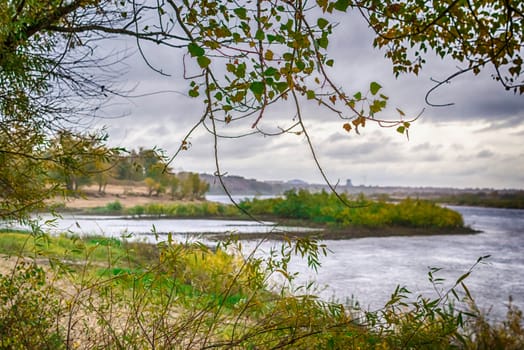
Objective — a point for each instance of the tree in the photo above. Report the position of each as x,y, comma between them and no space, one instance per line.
174,184
81,159
478,33
241,58
199,187
47,88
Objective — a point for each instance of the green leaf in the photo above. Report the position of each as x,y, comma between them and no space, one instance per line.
203,61
374,87
193,93
310,94
323,42
342,5
322,23
260,35
257,87
401,129
241,70
287,56
330,63
282,86
195,50
241,12
271,71
462,278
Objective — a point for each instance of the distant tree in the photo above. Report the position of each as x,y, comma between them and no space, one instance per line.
104,171
199,187
186,187
80,160
153,187
129,167
174,184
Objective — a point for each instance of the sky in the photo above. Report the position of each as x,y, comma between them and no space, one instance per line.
475,143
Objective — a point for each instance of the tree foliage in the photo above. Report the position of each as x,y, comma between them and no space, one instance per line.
478,33
240,59
151,167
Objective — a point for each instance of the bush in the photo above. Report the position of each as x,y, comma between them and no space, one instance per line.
137,210
29,308
115,206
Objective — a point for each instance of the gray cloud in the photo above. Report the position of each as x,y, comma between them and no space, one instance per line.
485,153
372,158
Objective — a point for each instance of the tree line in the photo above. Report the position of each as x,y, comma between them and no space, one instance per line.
86,160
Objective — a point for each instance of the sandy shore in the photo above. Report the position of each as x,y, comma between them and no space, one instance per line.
128,196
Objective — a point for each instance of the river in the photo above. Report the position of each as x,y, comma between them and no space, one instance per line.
368,269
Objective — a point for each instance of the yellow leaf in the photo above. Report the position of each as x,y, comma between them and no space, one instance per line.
268,55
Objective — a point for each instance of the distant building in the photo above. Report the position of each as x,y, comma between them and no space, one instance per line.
297,182
349,183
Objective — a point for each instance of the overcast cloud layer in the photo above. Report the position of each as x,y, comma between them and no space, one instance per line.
477,142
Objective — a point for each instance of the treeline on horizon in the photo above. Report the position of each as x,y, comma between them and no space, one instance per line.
89,161
492,199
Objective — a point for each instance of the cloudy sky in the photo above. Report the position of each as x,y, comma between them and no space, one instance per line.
475,143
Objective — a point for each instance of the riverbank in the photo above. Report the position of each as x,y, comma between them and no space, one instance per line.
129,196
105,293
328,233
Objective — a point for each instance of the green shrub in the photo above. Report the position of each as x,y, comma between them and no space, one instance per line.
136,210
29,308
327,208
115,206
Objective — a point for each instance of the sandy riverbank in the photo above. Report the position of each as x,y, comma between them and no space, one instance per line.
128,196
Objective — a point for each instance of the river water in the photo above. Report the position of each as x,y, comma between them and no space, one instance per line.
369,269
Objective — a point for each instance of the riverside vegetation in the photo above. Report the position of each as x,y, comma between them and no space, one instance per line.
355,217
65,292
